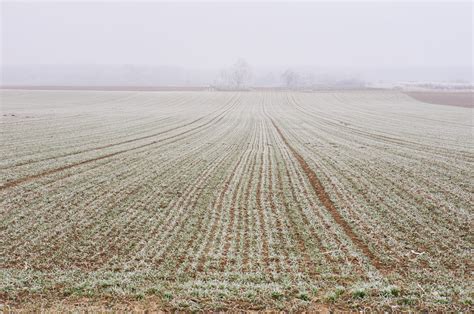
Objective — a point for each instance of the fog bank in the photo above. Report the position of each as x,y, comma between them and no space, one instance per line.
126,43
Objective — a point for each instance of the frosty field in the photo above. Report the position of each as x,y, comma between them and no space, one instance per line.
235,200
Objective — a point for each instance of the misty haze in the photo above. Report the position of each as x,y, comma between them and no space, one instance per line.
236,156
166,44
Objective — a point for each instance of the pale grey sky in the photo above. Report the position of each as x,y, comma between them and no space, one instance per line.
211,35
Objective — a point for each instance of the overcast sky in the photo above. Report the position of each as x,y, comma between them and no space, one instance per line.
209,35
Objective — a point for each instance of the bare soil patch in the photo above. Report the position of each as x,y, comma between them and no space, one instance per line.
459,99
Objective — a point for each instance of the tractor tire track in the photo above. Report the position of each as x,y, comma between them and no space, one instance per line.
19,181
109,145
331,208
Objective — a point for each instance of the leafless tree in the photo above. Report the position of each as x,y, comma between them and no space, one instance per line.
290,78
236,77
240,74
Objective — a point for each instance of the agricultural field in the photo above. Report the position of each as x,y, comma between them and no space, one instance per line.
205,200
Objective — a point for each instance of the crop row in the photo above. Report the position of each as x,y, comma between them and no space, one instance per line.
263,198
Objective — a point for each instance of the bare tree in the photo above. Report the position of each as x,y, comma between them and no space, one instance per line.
290,78
240,74
237,76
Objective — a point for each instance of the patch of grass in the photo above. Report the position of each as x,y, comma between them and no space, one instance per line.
334,295
303,296
331,297
339,290
81,290
168,296
442,300
139,296
106,284
467,301
407,301
250,295
277,295
153,290
359,293
391,291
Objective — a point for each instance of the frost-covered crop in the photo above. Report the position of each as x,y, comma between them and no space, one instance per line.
229,200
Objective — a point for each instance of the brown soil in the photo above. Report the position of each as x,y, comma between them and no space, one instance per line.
459,99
